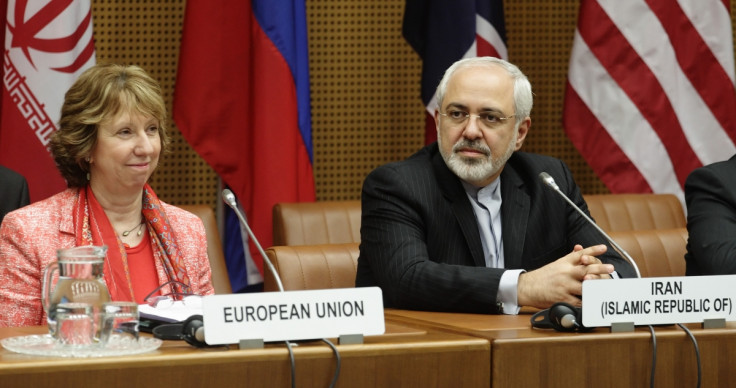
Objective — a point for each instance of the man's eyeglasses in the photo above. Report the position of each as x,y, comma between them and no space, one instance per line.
185,296
486,119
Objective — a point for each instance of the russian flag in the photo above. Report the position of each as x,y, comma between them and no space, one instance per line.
242,102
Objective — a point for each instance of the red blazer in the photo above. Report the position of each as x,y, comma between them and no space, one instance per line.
29,238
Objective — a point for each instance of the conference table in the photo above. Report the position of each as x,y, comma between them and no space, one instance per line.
418,349
522,356
405,356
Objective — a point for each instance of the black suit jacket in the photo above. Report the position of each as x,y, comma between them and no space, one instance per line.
13,191
420,241
710,196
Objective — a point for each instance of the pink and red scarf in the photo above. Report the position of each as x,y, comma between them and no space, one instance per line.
93,228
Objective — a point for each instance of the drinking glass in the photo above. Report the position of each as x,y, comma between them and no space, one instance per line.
75,324
119,323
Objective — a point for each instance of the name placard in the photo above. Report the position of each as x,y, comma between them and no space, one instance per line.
654,301
292,315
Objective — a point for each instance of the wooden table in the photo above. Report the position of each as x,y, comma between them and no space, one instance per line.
403,357
525,357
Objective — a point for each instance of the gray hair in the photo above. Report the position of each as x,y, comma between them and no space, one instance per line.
523,99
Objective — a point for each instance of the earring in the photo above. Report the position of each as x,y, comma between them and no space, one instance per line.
86,159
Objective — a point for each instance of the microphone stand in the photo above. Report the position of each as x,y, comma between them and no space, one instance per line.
549,181
229,199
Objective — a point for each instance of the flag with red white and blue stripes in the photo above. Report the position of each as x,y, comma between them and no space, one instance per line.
445,31
650,93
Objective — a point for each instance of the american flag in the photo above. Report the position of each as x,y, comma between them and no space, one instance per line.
650,93
444,31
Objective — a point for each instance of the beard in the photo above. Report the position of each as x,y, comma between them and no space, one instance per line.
476,170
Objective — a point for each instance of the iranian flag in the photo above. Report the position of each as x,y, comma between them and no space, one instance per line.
48,44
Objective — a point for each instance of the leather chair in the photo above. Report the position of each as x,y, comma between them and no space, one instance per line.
310,223
619,212
313,267
657,252
220,279
336,222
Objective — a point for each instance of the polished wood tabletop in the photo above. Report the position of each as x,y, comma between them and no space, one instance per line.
404,356
523,356
419,349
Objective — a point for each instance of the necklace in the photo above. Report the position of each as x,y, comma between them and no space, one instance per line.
140,229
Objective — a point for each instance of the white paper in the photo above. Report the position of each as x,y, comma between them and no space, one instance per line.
177,312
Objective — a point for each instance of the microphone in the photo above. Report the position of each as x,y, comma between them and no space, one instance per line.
192,330
549,181
229,199
568,321
561,317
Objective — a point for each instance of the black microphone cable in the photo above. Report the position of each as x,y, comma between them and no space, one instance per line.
293,364
229,198
697,350
337,356
654,355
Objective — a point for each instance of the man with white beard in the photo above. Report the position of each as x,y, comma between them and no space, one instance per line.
465,224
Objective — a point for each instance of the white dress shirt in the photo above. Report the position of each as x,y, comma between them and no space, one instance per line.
486,203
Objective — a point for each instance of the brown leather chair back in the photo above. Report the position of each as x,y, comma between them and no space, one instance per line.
220,279
313,267
619,212
657,252
310,223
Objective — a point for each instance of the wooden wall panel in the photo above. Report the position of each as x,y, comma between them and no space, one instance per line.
364,85
366,109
